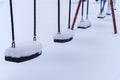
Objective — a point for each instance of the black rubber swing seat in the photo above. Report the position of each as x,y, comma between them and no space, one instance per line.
63,40
22,59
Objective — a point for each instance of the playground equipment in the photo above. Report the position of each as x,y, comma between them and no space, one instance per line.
102,6
101,11
76,14
101,15
84,24
68,35
108,8
113,17
24,51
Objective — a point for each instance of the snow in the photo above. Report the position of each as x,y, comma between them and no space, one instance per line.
84,23
93,54
101,16
64,35
108,12
26,49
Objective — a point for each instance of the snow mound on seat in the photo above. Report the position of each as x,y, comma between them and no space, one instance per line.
24,49
65,35
85,23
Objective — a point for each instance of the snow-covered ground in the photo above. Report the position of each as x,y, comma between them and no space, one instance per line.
93,54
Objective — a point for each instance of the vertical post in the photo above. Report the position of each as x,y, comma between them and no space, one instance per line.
34,38
69,19
87,9
76,14
12,25
82,13
101,6
113,17
58,16
108,4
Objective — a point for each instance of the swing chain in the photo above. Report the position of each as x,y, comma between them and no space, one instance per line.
34,38
13,44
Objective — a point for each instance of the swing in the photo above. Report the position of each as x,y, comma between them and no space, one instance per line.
114,4
102,6
68,35
113,14
24,51
84,24
108,9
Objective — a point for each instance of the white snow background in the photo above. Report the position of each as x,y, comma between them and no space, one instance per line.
93,54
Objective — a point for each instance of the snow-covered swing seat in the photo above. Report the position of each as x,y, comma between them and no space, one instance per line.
23,51
84,24
63,37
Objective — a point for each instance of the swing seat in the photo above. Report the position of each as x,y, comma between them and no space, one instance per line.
108,13
84,24
64,37
23,52
101,16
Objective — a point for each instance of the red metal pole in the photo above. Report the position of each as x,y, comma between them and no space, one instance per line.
76,14
113,17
